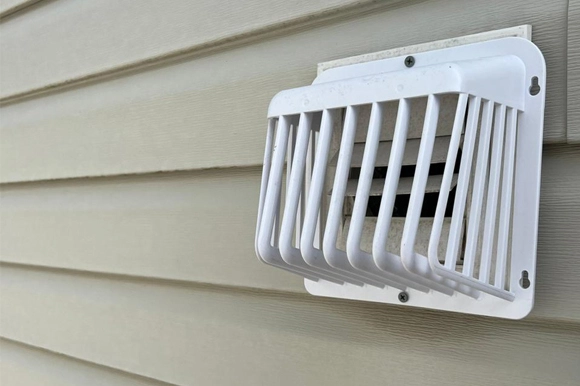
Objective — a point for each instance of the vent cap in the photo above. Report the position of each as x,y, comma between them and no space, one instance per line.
496,139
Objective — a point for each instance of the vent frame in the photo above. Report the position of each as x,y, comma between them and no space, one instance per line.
427,282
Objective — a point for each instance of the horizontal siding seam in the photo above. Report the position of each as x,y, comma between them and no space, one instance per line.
83,361
11,11
238,289
216,286
144,173
209,47
568,148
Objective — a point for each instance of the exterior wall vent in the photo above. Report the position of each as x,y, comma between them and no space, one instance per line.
436,205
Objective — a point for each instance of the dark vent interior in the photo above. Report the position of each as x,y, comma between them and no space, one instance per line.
402,200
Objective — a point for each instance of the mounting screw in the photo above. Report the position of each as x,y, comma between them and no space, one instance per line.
409,61
403,297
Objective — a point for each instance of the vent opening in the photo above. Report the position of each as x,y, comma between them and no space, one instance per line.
402,200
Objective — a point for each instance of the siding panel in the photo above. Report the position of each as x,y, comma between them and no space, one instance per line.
110,35
8,7
26,365
186,226
199,226
574,71
210,111
212,336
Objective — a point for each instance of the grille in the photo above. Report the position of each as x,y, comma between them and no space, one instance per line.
492,161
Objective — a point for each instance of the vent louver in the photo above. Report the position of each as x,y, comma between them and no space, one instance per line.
496,139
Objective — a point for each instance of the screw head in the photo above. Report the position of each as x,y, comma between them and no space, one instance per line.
409,61
403,297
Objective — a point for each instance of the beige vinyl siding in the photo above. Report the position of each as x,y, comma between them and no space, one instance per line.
209,335
126,34
25,365
131,140
199,226
574,71
194,226
208,111
8,7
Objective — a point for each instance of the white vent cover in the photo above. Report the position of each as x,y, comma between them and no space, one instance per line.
490,260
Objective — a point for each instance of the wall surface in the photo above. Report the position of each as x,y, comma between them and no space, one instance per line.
131,140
